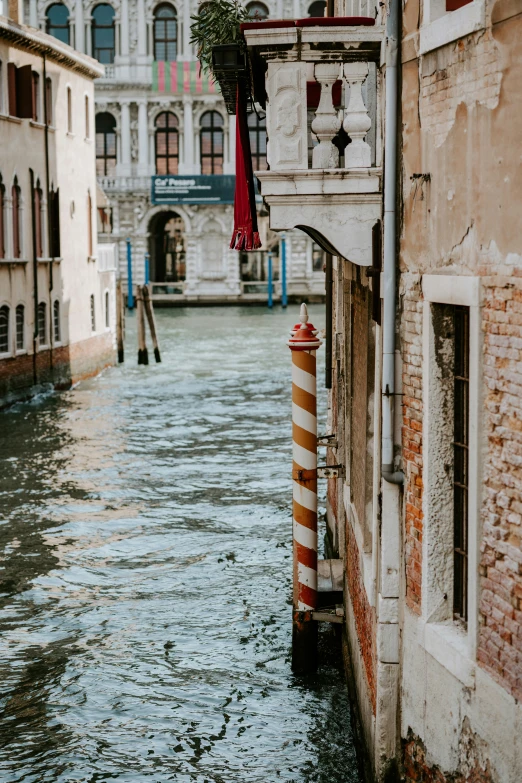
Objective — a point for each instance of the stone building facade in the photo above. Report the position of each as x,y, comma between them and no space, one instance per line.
426,519
157,114
57,294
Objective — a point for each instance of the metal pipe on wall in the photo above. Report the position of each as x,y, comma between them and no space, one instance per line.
329,315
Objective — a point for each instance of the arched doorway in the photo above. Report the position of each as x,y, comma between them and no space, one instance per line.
167,248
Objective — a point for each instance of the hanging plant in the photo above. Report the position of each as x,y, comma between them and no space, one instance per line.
218,24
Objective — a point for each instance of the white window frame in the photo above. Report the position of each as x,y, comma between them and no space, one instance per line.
451,645
440,27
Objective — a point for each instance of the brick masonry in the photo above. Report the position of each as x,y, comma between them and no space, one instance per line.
474,766
68,364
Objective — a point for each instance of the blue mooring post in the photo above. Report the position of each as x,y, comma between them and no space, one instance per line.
130,295
284,300
270,284
147,273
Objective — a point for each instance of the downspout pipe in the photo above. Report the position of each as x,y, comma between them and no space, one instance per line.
390,245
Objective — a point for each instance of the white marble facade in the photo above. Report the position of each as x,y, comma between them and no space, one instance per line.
132,95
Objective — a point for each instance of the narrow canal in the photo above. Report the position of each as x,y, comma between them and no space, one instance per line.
145,572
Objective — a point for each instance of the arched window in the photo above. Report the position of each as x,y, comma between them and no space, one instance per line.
57,22
103,33
49,101
257,133
211,137
89,223
69,111
257,11
93,314
105,144
37,195
2,224
317,8
20,327
16,198
167,143
107,310
87,118
4,329
165,33
42,323
56,321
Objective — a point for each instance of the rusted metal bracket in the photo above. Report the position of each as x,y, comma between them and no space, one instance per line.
325,471
327,440
320,616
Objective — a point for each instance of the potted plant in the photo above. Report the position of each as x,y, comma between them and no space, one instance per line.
221,50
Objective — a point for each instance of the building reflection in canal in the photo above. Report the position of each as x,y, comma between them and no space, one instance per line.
146,556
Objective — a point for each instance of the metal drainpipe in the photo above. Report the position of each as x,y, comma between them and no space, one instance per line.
47,187
390,245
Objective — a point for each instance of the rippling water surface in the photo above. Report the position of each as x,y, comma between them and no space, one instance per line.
145,544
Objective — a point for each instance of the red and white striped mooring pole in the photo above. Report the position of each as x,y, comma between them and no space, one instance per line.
304,343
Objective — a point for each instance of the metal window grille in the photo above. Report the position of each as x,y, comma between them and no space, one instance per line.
42,323
167,143
257,133
93,314
165,33
20,327
4,329
103,38
460,460
211,138
105,144
57,22
56,322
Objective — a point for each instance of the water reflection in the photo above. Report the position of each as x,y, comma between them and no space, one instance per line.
146,572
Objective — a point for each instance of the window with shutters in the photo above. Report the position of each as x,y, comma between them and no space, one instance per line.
16,199
54,223
20,91
4,329
57,329
103,38
42,324
37,196
36,95
49,101
167,143
57,22
2,218
69,111
165,33
105,144
20,327
211,141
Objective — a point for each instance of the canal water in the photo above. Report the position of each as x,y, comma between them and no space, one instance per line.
145,572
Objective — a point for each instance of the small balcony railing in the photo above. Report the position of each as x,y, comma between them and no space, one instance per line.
322,88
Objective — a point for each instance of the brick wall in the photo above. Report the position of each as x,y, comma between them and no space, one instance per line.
70,363
500,639
411,342
474,766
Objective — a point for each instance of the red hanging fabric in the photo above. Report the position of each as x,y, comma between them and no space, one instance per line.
245,235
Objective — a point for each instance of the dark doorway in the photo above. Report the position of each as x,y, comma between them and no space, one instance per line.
167,248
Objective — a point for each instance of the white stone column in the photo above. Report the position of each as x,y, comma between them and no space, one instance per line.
124,28
142,29
79,24
187,48
143,140
357,122
33,13
88,36
187,164
230,166
125,135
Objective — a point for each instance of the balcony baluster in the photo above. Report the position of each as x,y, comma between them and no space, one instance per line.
326,123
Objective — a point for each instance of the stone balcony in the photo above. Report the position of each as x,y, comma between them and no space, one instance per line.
324,153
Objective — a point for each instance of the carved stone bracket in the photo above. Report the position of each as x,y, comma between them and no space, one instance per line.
356,123
326,123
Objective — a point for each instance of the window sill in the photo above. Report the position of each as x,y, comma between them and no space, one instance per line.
43,347
21,352
7,355
70,134
9,118
88,140
92,258
452,25
37,124
448,644
13,261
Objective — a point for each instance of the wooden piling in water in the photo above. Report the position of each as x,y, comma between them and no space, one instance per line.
143,354
149,310
120,324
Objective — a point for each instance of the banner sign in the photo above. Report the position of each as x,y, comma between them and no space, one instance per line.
197,189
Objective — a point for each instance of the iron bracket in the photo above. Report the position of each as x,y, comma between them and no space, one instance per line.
330,471
327,440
